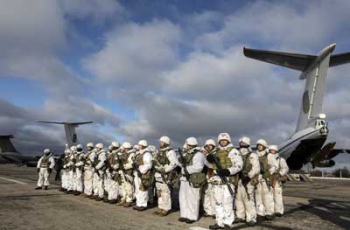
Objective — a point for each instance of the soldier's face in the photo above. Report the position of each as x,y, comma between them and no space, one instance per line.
223,143
141,147
162,144
261,148
209,147
272,151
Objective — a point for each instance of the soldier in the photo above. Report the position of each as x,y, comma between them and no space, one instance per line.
79,165
44,167
127,157
113,167
143,176
71,170
208,200
99,170
227,163
65,172
248,179
191,182
280,177
58,168
107,178
165,163
88,169
152,199
264,191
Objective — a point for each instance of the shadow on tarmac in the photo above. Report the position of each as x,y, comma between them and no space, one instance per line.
328,210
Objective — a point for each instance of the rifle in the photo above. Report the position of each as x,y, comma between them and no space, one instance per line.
223,179
162,174
246,189
183,161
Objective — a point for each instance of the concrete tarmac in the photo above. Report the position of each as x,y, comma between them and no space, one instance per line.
315,205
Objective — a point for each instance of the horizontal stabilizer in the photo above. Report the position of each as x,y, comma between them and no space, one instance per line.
293,60
66,123
335,152
339,59
290,60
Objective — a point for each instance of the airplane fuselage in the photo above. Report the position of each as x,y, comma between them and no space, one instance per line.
303,145
14,157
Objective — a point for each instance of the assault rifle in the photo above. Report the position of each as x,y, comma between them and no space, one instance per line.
162,174
223,179
183,161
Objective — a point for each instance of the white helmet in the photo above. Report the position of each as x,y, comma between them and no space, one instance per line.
165,139
46,151
273,147
245,140
110,148
115,144
73,148
136,147
66,151
143,143
152,148
90,145
210,142
262,142
127,145
224,136
99,146
79,146
191,141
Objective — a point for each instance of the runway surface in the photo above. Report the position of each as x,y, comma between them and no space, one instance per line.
315,205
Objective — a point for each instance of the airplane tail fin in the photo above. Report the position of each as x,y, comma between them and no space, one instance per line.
69,128
6,144
314,70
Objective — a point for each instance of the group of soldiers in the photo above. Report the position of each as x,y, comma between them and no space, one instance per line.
230,184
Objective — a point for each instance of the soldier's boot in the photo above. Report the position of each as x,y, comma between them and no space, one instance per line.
215,226
121,203
76,193
163,213
158,211
251,223
238,220
127,204
46,188
112,201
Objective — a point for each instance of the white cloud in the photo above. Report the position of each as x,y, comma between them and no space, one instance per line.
135,54
96,9
300,26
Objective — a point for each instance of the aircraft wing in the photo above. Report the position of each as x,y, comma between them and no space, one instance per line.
11,159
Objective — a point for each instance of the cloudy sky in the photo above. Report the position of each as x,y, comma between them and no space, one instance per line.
142,69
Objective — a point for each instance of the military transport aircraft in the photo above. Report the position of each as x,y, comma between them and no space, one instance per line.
8,153
11,155
69,128
307,144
